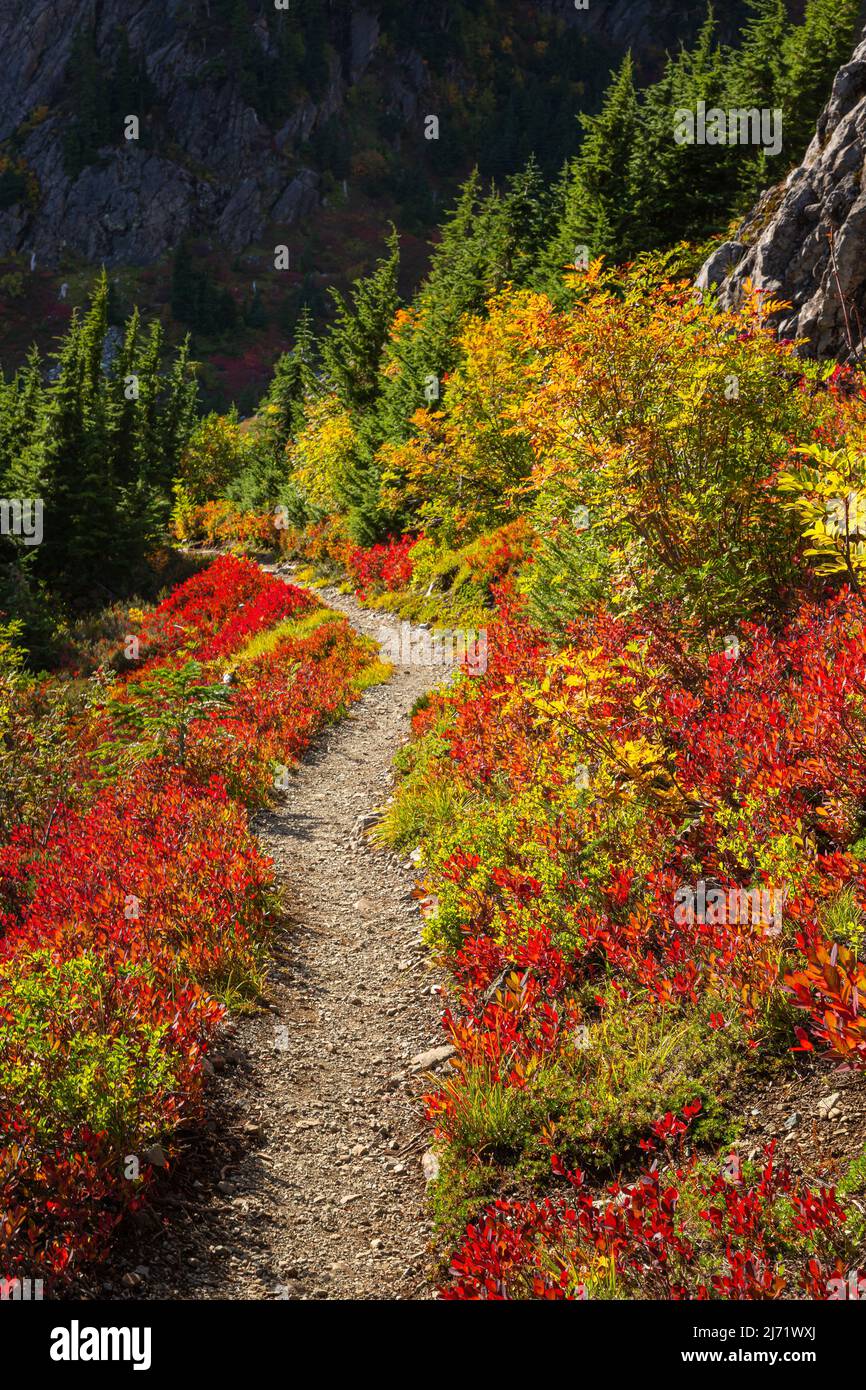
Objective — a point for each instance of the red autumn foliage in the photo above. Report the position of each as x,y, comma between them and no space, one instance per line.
641,1239
126,914
218,609
387,565
728,763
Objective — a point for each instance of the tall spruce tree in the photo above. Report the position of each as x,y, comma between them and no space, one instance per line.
812,53
80,489
685,190
755,81
352,349
756,66
20,406
175,424
516,225
281,411
598,198
352,358
121,403
491,238
280,417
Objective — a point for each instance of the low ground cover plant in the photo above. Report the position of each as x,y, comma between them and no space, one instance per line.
641,829
135,905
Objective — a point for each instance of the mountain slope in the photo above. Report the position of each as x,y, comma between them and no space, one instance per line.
251,115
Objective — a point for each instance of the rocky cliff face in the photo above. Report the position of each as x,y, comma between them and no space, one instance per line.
208,160
805,242
213,165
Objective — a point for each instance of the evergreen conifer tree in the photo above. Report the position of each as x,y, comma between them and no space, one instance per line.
352,349
812,53
282,410
598,200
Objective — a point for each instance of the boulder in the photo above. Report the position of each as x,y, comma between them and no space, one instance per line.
720,264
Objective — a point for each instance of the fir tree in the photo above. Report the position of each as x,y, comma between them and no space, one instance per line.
812,53
352,349
121,402
352,357
97,452
147,365
517,225
557,250
176,420
294,381
756,67
425,349
684,190
755,81
598,202
79,487
20,406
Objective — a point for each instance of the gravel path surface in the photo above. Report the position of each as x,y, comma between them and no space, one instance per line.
310,1181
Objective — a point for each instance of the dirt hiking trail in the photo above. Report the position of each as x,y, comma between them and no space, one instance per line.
309,1183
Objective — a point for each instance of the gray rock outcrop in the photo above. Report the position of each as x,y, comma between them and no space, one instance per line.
805,241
